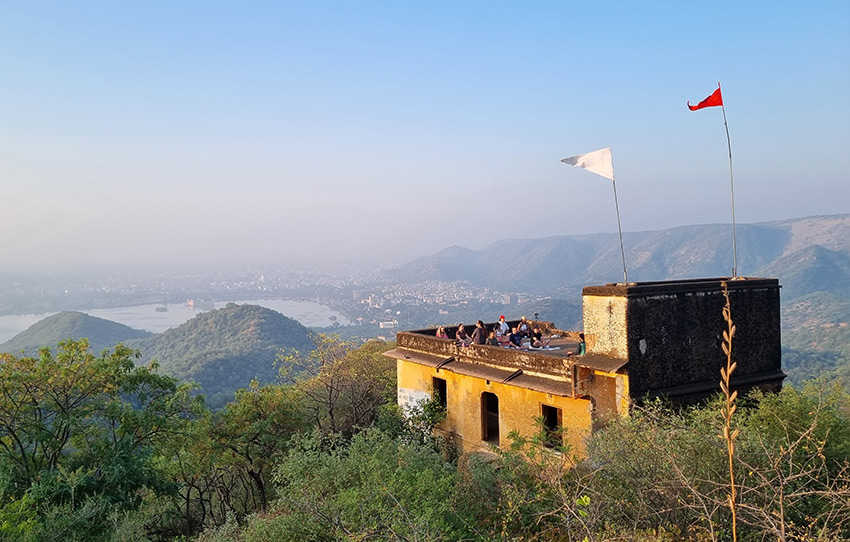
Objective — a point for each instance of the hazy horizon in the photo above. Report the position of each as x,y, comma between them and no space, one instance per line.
198,134
230,267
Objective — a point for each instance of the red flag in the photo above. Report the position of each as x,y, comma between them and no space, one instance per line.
712,101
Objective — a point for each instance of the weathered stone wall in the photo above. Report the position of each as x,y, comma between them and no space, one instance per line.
528,361
673,330
677,341
605,325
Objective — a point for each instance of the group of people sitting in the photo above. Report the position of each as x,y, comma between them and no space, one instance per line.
500,335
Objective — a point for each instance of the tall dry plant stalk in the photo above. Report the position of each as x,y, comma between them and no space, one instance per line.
729,407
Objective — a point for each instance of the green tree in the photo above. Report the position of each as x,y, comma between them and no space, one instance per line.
79,434
223,463
795,464
374,487
343,384
254,431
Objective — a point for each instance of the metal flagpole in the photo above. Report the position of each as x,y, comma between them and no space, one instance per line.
620,229
601,163
732,185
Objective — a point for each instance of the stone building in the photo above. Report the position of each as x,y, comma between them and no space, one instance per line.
643,339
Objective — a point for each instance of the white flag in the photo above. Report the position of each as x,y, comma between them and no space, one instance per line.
598,162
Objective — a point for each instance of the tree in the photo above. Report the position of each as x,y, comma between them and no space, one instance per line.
343,386
373,487
255,429
795,466
79,433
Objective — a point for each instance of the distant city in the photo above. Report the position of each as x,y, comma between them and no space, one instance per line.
365,296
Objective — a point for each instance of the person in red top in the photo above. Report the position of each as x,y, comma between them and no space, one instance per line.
502,327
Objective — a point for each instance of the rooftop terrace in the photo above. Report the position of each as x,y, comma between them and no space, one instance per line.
556,370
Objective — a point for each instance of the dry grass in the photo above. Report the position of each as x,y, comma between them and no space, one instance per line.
729,406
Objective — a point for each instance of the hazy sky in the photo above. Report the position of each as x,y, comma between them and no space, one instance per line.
219,132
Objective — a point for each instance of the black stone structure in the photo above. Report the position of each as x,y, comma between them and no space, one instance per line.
670,334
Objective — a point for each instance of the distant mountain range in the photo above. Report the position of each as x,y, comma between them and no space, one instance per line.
810,257
808,254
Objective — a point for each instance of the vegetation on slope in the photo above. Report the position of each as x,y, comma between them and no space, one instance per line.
819,352
659,475
136,459
223,350
80,437
50,331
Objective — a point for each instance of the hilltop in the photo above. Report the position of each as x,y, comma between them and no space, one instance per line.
72,325
224,349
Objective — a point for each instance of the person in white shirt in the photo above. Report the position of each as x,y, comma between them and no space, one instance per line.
502,326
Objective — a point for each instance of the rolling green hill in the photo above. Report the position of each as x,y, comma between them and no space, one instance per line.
71,325
224,349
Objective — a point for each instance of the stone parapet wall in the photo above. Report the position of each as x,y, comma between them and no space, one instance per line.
528,361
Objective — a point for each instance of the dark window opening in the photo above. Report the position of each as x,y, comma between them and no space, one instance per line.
490,418
552,423
439,386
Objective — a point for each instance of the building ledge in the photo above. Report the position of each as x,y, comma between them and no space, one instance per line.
599,362
515,377
554,362
640,289
430,360
706,388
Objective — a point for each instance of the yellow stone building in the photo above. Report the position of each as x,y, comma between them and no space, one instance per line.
643,340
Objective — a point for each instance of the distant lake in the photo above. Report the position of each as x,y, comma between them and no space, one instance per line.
147,317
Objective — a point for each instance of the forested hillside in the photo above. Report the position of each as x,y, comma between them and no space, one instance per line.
72,325
223,350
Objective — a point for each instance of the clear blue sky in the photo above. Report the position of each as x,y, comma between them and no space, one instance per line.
210,132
